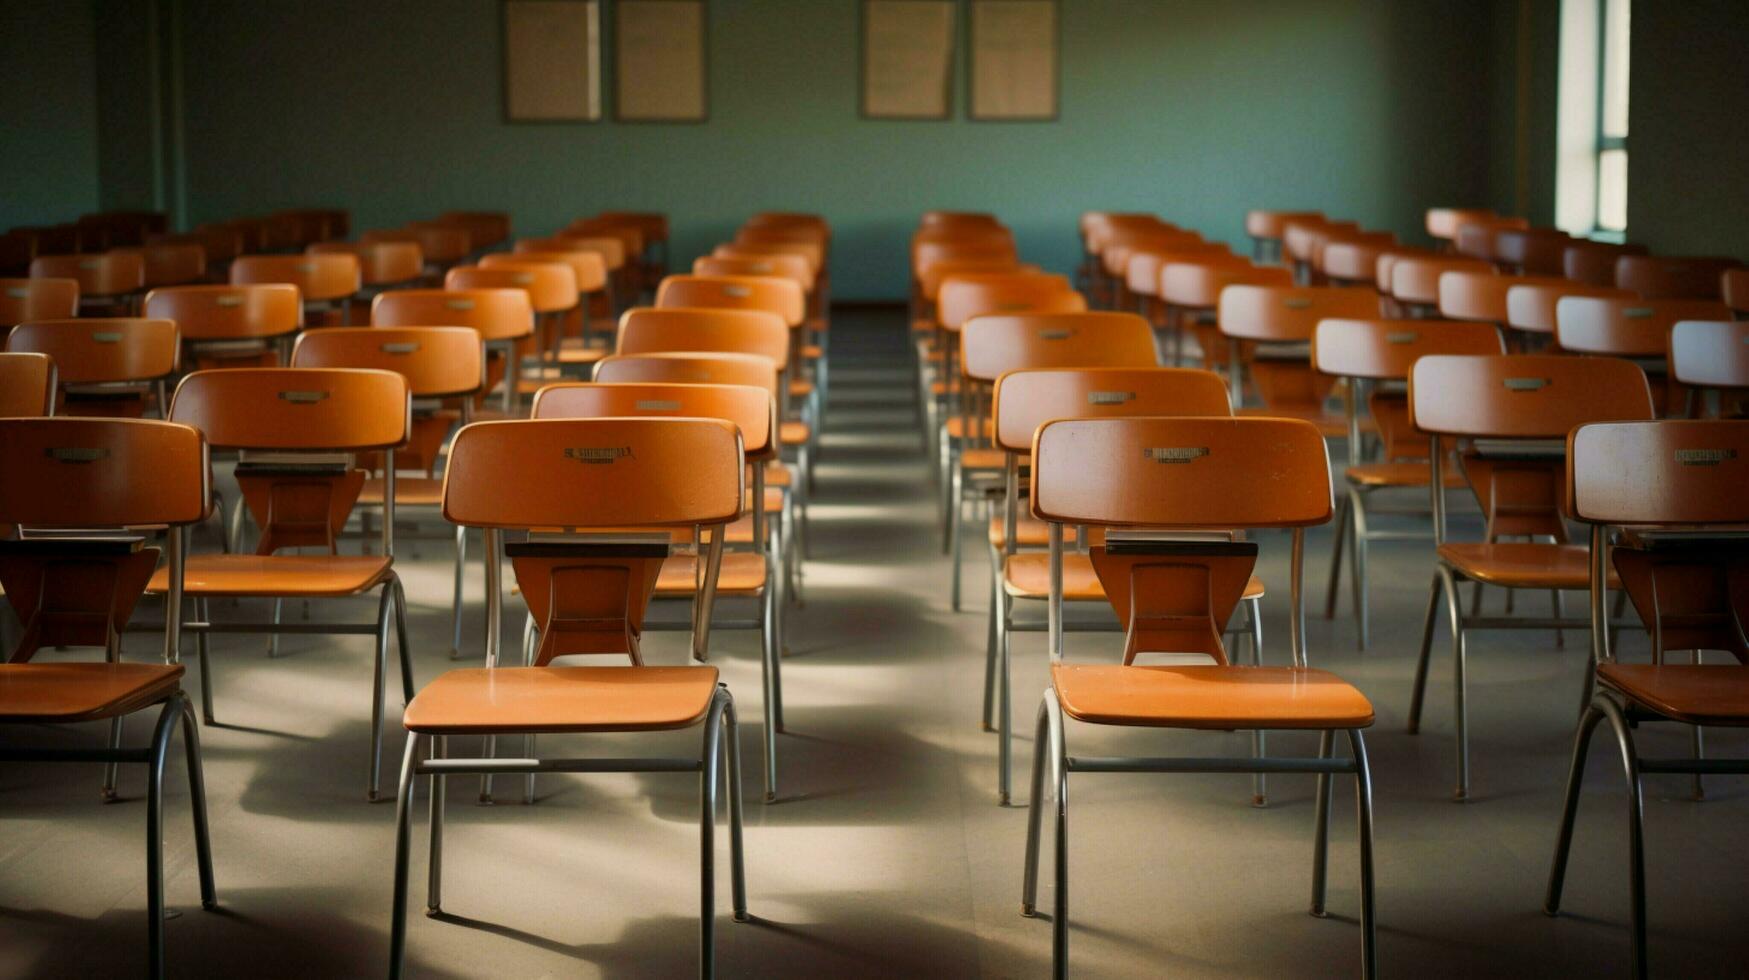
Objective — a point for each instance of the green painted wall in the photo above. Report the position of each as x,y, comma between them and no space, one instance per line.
124,91
1688,143
1194,109
48,112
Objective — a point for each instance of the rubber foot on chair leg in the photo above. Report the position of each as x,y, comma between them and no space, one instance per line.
487,800
1001,799
433,910
986,726
1460,795
742,916
107,794
1319,912
1260,802
771,797
209,906
207,719
1029,911
454,654
372,796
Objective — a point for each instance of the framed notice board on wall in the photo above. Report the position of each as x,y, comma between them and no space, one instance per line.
660,68
1014,62
907,59
552,60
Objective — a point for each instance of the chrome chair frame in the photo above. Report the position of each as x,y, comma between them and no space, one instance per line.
391,598
176,709
998,687
1623,716
769,623
717,755
1446,578
1051,747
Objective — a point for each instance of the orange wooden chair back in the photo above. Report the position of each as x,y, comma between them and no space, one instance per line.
996,344
37,299
647,330
27,385
773,294
320,277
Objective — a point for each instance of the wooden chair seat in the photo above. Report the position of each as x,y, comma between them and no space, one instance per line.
1209,697
1522,564
1028,576
794,433
742,574
801,388
562,699
1331,425
1373,475
43,693
582,355
311,576
410,491
983,459
1697,694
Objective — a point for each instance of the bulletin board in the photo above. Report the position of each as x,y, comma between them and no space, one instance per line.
552,60
907,59
1014,60
660,68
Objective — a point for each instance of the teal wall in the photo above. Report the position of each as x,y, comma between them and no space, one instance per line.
48,112
1193,109
1688,127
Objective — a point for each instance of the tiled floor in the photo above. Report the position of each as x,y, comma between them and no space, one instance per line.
887,854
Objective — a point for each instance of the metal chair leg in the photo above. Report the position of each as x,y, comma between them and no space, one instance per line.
956,531
1336,547
1363,816
461,557
107,793
1042,738
1630,760
202,612
1004,720
402,640
991,638
1358,578
1259,783
403,835
273,638
732,751
1425,654
768,649
1570,809
434,874
377,696
167,718
710,773
1060,907
1460,692
1321,827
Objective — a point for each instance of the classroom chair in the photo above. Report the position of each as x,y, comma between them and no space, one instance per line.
1128,475
1712,355
1277,323
108,280
1374,357
589,597
1638,329
1592,262
107,366
1672,494
1500,414
227,326
90,483
443,366
1671,277
302,426
502,317
27,384
37,299
1530,308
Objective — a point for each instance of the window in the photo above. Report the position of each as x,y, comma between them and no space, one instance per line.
1591,176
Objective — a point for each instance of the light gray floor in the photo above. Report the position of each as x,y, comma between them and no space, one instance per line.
887,854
